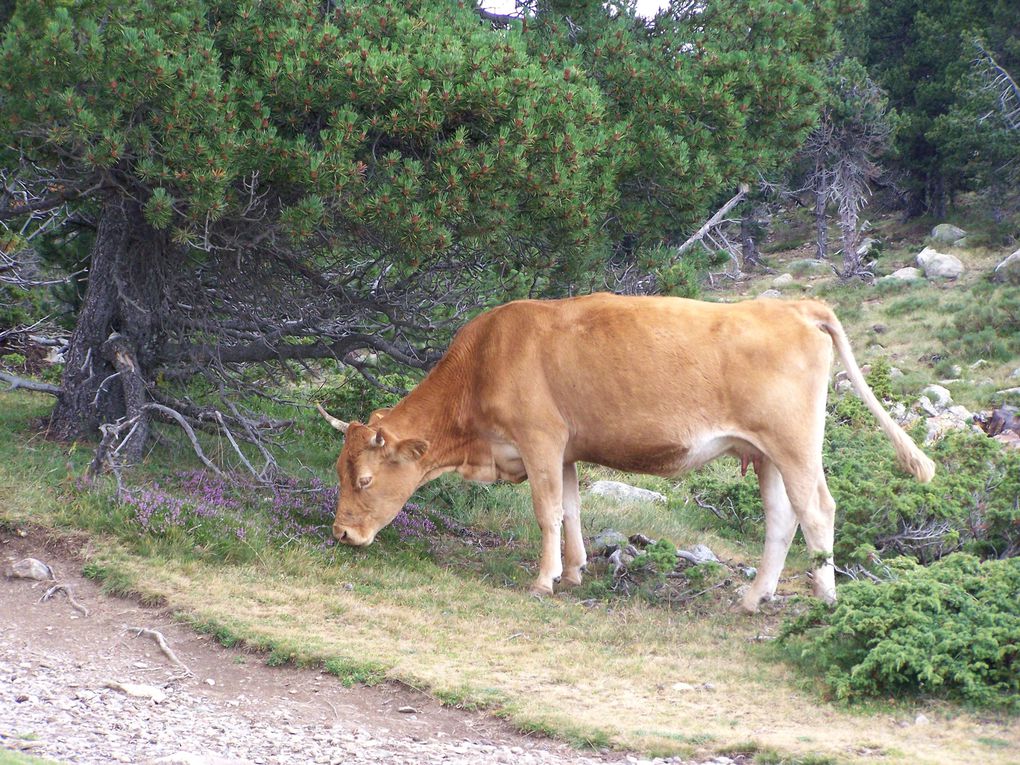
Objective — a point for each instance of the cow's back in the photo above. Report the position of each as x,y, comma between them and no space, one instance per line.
638,376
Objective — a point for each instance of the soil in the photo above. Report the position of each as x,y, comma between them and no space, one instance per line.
57,666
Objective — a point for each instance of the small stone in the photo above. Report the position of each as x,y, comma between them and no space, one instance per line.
908,274
210,681
407,710
895,372
155,695
782,280
607,541
771,294
31,568
921,720
698,554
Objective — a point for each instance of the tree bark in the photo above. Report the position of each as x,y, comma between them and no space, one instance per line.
122,296
851,259
749,253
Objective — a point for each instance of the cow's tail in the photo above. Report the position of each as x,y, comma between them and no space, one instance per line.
910,457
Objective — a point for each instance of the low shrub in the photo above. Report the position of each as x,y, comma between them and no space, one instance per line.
986,326
951,630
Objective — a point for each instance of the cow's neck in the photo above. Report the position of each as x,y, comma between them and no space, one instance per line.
430,412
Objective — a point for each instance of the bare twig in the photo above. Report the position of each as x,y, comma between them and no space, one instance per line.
163,646
58,587
711,223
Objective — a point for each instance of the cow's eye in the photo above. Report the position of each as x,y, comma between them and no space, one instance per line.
364,481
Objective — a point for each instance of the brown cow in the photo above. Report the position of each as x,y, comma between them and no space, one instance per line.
643,384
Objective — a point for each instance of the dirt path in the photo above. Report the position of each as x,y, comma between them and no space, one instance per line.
57,665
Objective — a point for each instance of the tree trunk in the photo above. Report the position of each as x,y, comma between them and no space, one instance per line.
821,221
851,259
124,286
750,254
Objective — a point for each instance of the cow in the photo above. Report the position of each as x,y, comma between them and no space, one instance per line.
655,385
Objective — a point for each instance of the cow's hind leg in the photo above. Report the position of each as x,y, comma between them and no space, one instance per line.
574,557
816,513
780,526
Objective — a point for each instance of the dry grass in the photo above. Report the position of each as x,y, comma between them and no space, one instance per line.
622,673
599,674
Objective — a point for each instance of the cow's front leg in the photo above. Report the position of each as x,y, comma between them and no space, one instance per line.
573,543
546,478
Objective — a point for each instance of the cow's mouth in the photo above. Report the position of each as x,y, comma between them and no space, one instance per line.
349,536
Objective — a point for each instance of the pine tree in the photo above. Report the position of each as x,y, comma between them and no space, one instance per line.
294,180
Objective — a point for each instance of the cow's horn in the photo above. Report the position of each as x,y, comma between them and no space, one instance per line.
338,424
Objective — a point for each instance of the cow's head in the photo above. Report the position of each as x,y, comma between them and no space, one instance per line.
378,472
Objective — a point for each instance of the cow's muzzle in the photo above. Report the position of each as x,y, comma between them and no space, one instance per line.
349,536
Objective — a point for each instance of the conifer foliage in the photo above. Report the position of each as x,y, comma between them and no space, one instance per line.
290,180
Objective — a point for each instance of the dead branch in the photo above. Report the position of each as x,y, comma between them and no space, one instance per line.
711,223
163,646
70,596
181,420
20,382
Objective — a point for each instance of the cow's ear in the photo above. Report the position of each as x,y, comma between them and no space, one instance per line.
410,450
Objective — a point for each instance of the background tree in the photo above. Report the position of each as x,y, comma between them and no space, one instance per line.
854,128
920,53
291,181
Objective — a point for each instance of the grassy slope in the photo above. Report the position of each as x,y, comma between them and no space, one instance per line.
461,625
598,675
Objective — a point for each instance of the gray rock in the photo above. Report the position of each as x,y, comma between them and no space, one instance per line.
606,541
908,274
1008,271
868,246
625,492
939,396
771,294
190,758
947,233
939,265
31,568
782,280
895,372
698,554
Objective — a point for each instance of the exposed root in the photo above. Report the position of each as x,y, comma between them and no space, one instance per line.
58,587
164,647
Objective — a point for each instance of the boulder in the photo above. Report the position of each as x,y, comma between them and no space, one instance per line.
698,554
939,265
939,396
1008,271
947,233
782,280
908,274
941,424
624,492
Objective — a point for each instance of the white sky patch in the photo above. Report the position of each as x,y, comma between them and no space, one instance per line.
644,7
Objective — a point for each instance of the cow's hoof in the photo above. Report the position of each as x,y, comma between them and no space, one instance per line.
541,590
569,581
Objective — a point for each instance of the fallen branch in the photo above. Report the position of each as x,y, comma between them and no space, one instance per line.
164,647
70,596
20,382
711,223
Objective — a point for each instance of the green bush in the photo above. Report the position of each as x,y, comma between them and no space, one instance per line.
951,629
972,503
